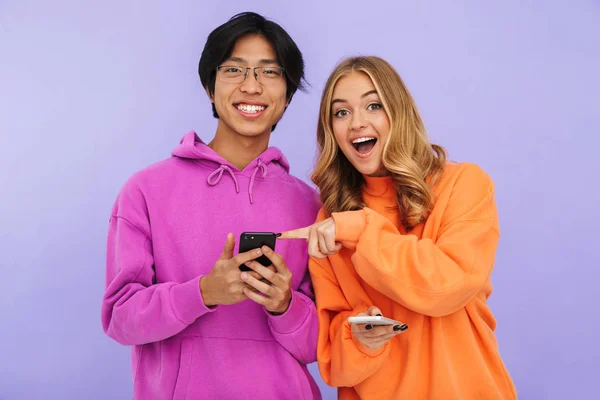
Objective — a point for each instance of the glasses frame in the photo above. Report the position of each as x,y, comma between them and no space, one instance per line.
246,69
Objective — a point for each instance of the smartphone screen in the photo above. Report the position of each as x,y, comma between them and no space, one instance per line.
255,240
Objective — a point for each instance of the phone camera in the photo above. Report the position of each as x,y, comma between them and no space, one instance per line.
251,237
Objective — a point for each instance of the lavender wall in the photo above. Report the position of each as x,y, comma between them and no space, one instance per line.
91,91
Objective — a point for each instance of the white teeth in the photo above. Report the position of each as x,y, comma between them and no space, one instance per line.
250,108
362,139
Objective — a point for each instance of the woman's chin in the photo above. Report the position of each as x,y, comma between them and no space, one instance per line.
369,170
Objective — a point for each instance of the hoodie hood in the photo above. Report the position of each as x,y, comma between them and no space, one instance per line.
193,148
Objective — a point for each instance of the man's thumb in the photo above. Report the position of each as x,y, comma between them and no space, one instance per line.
229,246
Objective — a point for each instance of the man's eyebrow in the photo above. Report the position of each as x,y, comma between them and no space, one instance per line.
236,59
267,61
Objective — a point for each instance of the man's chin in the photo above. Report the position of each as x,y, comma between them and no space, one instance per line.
254,132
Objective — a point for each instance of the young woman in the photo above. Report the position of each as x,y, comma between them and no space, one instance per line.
404,234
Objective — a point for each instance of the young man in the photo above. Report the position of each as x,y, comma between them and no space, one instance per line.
201,328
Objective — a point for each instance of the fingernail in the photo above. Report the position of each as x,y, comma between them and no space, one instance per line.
266,249
258,251
379,315
404,327
245,276
369,327
247,263
396,328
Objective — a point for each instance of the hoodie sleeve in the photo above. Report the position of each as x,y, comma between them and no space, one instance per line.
431,277
343,361
135,309
297,329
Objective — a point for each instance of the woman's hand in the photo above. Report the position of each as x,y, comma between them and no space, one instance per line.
374,336
320,237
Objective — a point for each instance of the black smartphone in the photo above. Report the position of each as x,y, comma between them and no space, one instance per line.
255,240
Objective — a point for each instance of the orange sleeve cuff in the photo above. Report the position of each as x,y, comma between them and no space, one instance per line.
368,351
349,225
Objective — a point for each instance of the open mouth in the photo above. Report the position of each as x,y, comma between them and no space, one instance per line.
252,109
364,145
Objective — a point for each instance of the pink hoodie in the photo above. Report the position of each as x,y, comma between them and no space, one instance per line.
167,229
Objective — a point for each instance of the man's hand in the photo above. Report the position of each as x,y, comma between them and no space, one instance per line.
275,294
223,284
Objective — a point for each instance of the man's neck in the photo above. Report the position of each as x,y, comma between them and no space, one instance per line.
237,149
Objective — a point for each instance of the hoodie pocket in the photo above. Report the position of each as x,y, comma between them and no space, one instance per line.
220,368
183,376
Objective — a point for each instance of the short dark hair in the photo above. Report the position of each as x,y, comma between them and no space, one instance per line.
219,46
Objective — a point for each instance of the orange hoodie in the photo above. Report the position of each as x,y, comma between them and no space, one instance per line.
435,278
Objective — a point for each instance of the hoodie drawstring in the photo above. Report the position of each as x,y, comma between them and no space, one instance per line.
259,166
218,173
215,177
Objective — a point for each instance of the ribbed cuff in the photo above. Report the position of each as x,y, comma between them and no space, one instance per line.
187,302
294,317
349,225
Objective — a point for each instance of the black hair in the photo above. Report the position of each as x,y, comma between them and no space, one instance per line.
219,46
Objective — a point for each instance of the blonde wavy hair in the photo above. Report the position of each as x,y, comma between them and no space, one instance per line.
412,161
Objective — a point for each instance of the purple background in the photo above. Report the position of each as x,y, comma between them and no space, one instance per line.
91,91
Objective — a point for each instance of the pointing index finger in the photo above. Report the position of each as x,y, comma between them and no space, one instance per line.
300,233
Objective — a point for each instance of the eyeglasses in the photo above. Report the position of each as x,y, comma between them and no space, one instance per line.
237,74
